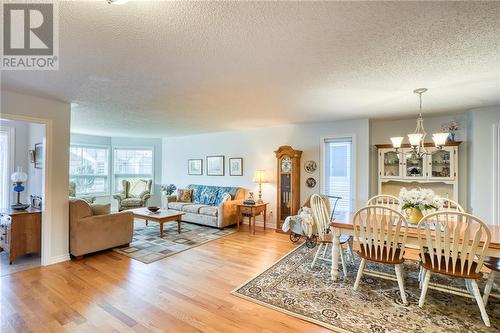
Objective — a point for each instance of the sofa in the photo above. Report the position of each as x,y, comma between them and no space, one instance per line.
89,232
135,194
214,206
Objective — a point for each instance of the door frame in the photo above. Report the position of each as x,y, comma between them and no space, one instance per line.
47,204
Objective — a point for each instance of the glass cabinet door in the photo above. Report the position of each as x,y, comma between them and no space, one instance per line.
286,186
414,166
441,163
390,164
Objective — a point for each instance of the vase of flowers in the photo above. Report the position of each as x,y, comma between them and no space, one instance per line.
416,201
168,189
451,127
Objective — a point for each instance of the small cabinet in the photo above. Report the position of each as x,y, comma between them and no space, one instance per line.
390,164
441,163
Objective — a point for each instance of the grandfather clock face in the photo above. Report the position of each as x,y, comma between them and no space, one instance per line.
286,164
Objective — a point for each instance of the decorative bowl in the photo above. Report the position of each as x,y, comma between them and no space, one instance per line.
153,209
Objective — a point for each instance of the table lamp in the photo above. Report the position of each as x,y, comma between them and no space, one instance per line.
259,178
19,178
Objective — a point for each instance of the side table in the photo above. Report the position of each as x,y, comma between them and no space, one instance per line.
251,211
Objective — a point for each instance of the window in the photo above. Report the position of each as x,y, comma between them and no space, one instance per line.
89,169
337,171
132,164
5,159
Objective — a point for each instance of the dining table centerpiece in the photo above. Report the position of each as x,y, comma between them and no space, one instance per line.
416,201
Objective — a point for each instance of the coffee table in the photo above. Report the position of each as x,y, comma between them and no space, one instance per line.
162,216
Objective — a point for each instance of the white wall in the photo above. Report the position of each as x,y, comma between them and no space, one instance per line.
112,142
57,115
484,163
382,130
25,136
256,147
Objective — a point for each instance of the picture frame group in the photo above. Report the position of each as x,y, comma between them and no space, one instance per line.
215,166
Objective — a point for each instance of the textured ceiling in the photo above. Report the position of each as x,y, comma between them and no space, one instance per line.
173,68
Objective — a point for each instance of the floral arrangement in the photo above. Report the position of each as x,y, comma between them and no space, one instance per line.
421,199
451,127
168,189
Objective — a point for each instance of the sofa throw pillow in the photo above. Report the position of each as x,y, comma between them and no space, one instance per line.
184,195
100,209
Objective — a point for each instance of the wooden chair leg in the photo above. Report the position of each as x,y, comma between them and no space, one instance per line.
350,242
479,300
427,278
342,259
487,289
360,273
324,251
399,275
316,255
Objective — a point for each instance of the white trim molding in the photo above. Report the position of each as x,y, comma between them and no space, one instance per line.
57,259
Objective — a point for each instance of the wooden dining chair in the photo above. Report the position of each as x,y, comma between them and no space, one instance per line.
321,216
494,265
453,244
385,200
381,232
451,205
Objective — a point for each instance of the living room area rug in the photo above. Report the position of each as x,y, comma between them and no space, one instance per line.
148,247
292,287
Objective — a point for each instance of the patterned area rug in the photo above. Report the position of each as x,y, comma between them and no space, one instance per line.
292,287
148,247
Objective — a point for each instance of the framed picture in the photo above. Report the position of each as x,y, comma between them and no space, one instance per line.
38,155
236,166
215,165
195,167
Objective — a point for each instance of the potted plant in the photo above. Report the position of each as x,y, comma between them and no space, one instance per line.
451,127
416,201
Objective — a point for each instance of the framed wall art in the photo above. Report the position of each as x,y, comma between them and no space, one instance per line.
195,167
215,165
236,166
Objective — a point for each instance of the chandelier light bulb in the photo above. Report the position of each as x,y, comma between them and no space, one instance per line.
396,141
415,139
440,139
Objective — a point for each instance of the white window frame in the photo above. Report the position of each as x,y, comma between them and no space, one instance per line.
11,132
354,168
113,180
109,175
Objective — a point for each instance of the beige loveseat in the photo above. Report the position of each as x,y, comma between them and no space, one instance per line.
214,206
91,233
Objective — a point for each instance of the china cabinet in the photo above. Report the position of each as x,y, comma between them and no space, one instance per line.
288,183
438,170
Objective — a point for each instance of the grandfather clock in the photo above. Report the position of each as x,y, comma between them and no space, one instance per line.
288,183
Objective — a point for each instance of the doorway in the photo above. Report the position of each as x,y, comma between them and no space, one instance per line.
22,170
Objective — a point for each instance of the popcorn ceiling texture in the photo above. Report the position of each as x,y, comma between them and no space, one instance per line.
175,68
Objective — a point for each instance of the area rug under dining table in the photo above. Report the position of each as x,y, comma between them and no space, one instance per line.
292,287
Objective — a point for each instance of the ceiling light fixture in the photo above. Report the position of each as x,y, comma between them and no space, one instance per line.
417,138
117,2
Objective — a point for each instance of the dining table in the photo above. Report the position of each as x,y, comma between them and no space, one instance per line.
342,224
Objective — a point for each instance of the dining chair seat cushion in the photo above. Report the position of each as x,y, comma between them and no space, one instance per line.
379,254
458,273
492,263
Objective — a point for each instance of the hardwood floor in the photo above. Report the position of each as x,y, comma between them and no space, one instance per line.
187,292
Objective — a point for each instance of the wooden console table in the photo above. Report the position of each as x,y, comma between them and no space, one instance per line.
251,211
20,232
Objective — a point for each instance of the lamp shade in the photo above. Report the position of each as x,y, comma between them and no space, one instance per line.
440,138
19,176
415,138
396,141
260,177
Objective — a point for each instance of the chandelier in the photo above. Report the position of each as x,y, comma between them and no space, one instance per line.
417,138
